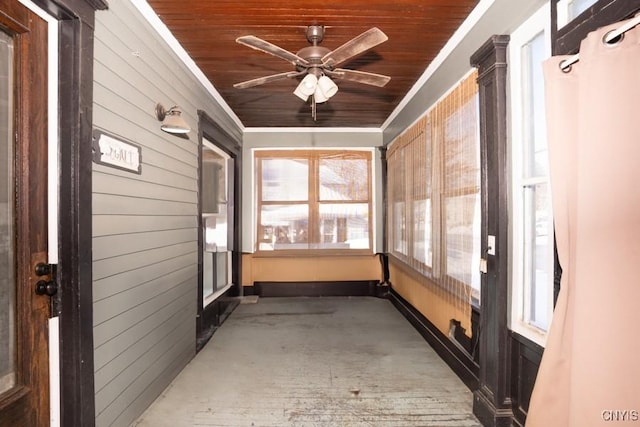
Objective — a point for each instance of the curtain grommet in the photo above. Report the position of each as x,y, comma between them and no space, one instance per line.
607,40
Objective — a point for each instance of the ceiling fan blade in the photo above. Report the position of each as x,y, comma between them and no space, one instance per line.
270,48
266,79
354,47
359,76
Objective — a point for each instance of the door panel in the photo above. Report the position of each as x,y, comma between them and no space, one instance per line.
24,355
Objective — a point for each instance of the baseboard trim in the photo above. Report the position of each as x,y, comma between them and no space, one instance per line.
460,362
248,290
487,413
317,289
213,316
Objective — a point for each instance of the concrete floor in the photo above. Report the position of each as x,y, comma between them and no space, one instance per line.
314,362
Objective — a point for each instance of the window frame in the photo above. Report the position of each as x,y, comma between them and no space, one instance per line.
314,156
538,22
563,10
217,291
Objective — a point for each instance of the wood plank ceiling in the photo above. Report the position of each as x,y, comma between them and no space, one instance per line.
417,31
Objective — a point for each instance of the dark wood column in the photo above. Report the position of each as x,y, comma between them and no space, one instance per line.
383,168
382,289
492,402
211,317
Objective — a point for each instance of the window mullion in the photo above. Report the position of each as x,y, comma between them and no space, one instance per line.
409,197
259,228
438,178
314,205
526,182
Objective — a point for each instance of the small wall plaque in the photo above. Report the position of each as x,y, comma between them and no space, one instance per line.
114,152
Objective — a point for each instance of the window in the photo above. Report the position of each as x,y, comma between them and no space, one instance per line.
217,221
314,200
434,193
533,243
568,10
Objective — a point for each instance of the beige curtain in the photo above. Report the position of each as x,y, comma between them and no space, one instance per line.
590,371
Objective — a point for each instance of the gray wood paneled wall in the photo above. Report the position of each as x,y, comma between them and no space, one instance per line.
144,226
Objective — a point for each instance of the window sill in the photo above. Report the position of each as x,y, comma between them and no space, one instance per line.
531,333
312,253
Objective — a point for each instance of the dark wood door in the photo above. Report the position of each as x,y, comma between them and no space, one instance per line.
24,354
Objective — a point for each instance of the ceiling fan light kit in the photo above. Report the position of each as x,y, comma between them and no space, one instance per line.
321,88
319,97
307,87
327,86
319,64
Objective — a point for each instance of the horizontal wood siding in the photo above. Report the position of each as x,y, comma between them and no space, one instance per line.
145,235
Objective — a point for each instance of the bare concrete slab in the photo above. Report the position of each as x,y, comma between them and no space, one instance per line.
315,362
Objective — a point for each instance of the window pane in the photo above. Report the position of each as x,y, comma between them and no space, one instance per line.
285,179
215,233
7,188
463,239
460,211
536,161
397,194
215,200
422,249
344,179
214,181
283,227
462,149
538,263
222,270
344,226
208,279
576,7
399,228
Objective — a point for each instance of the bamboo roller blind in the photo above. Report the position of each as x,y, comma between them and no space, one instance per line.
434,196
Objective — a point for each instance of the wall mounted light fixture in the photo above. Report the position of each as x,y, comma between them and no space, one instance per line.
171,119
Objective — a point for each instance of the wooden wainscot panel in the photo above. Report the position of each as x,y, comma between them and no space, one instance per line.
432,304
316,269
525,361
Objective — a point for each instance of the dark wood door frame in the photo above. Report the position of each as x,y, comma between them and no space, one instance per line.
210,317
74,304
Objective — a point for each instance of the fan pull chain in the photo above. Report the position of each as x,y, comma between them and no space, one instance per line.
313,107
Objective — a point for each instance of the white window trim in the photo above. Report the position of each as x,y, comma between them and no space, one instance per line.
538,22
208,299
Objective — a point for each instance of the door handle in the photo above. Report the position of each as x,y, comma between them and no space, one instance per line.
44,287
42,269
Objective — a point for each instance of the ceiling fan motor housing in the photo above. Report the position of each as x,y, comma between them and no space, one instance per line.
315,34
314,54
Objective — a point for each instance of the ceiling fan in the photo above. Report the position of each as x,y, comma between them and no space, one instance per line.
318,64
